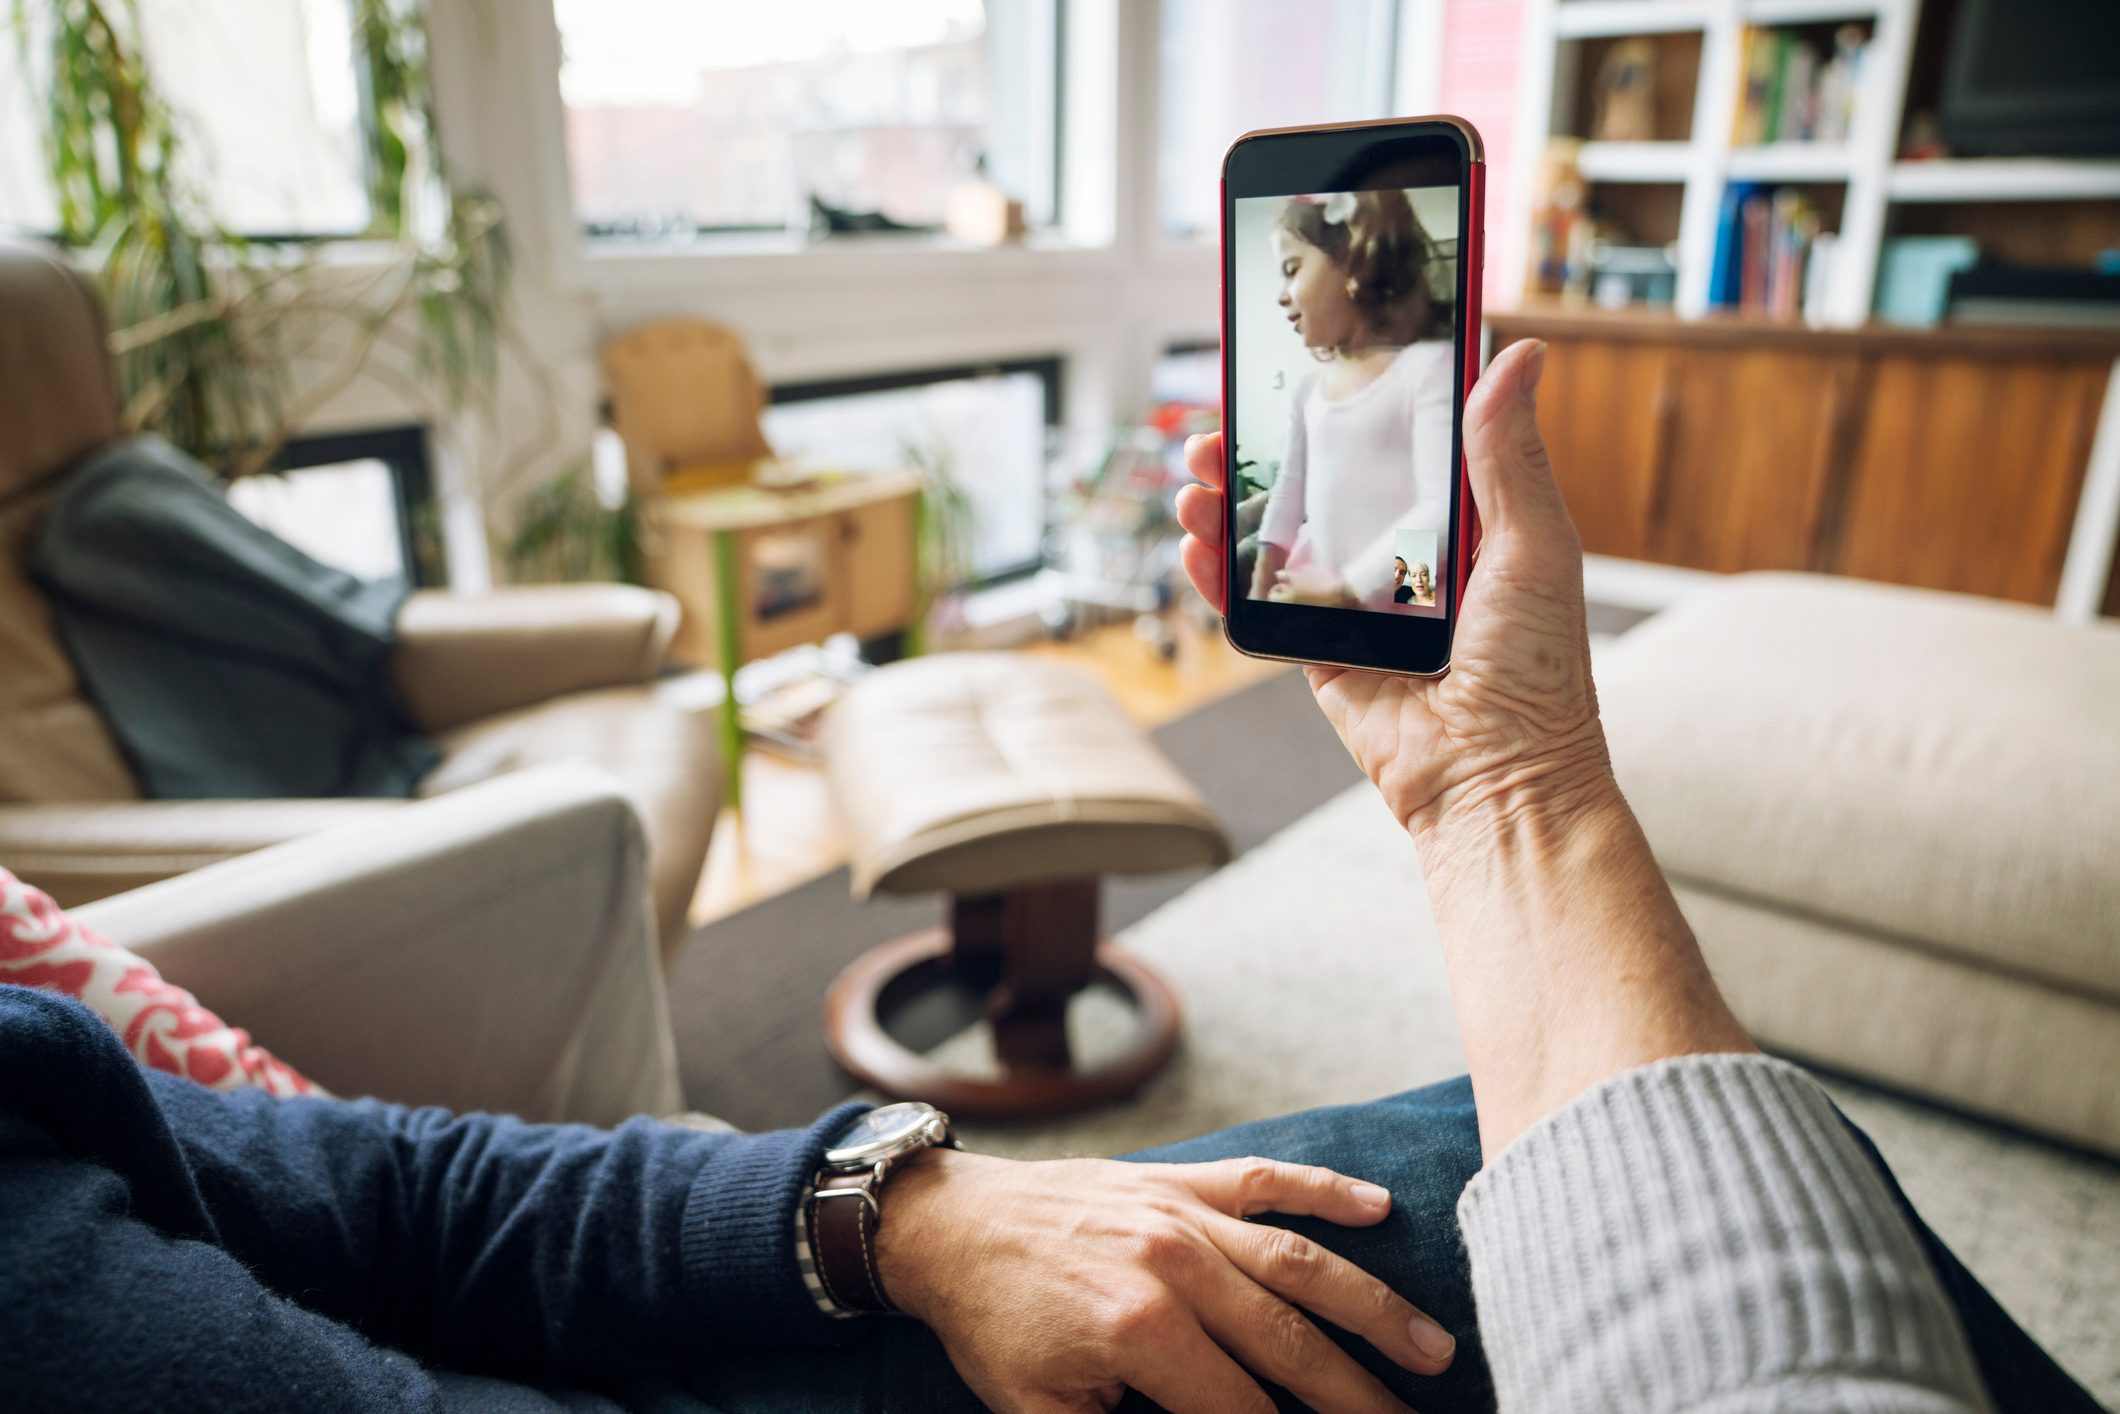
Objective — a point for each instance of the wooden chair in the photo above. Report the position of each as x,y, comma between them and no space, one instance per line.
717,529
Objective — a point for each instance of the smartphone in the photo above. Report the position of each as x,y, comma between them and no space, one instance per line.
1351,258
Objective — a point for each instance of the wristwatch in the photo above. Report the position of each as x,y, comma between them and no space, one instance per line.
843,1213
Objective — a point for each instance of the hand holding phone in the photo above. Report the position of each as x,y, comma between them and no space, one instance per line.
1515,713
1351,272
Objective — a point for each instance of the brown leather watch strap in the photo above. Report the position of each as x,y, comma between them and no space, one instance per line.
843,1218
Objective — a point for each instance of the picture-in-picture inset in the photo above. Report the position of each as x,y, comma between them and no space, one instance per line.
1416,573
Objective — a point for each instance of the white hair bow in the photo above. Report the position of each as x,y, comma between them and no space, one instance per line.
1339,208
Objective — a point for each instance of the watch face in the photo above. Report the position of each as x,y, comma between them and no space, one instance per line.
880,1131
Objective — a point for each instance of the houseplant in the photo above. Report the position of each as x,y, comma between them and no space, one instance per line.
225,346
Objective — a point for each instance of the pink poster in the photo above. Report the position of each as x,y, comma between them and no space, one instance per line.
1482,46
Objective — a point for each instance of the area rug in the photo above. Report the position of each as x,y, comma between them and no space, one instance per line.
1310,976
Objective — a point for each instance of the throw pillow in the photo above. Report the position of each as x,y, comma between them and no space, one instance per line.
161,1024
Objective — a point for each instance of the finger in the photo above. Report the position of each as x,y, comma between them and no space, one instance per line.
1512,479
1242,1187
1179,1368
1203,458
1207,570
1200,512
1305,1274
1275,1340
1322,678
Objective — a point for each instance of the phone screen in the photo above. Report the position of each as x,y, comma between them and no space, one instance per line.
1344,310
1346,369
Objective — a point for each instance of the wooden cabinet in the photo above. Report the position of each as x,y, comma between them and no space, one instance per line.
1719,463
1967,472
878,547
1951,459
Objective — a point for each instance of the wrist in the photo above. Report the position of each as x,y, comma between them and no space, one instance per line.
1528,802
1568,957
922,1215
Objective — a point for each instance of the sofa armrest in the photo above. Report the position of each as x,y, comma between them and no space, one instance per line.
79,853
464,656
490,949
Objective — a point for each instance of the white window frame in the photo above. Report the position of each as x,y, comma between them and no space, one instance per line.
1386,82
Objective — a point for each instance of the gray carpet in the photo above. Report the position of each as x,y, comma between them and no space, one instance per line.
1263,757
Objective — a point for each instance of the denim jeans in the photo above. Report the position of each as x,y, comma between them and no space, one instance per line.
1424,1147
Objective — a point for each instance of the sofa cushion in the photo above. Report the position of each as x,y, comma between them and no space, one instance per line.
1991,1042
1935,768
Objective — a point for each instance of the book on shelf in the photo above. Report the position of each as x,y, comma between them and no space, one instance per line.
1773,257
1725,276
1792,91
1755,252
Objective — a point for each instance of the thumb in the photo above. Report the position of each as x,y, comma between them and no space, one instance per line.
1505,457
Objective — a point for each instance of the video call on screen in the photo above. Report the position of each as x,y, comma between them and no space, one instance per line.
1344,383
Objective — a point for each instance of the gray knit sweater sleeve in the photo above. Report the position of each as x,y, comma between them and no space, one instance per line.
1703,1234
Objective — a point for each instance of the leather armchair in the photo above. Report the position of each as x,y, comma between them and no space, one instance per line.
501,681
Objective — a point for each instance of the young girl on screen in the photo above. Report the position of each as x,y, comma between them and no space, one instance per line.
1369,433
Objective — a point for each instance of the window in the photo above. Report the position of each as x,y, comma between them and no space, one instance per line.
25,184
685,116
990,426
1188,373
269,114
1228,66
361,502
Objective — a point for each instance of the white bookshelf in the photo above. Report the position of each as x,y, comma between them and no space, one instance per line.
1805,12
2004,179
1635,161
1592,19
1863,167
1790,162
1870,180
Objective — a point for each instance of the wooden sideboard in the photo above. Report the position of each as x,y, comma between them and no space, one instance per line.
1950,458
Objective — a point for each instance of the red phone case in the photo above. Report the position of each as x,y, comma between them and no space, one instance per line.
1468,546
1475,259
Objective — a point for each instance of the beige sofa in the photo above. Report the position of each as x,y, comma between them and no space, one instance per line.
1893,817
490,950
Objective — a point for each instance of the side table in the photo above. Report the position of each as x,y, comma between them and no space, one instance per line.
762,569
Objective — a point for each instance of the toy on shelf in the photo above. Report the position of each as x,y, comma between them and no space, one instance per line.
1117,540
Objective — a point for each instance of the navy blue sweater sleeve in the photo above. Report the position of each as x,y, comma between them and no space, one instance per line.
470,1241
105,1311
482,1242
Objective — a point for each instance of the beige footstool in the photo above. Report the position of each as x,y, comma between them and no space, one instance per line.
1893,818
1014,785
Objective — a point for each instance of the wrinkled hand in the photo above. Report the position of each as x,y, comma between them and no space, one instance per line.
1515,718
1055,1286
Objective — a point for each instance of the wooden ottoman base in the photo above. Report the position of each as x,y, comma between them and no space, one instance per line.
1031,949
